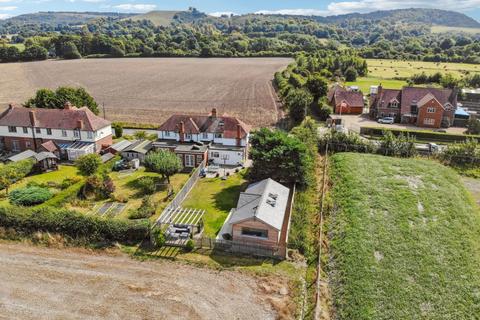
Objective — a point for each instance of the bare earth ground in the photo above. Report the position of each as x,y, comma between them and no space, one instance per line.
42,283
148,90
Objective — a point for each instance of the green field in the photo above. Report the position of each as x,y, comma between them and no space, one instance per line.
388,69
446,29
216,197
159,18
404,241
364,83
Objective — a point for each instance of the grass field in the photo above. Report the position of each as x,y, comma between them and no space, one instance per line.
20,46
159,18
446,29
149,90
216,197
405,240
388,69
364,83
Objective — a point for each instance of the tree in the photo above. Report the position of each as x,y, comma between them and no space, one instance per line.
473,125
14,171
324,111
163,162
46,98
88,164
117,127
449,81
351,74
35,53
317,85
70,51
298,101
279,156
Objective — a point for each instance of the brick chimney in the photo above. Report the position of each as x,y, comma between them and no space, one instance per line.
214,112
10,106
67,105
33,119
239,135
181,131
80,124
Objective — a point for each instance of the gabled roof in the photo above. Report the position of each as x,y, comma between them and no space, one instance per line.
50,146
265,200
337,94
385,96
415,94
140,146
198,124
30,154
121,145
67,119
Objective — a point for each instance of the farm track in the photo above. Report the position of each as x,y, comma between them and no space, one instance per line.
149,90
43,283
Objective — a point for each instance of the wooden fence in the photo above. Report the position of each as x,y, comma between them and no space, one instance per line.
182,194
235,247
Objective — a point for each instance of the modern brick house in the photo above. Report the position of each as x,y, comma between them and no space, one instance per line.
345,101
46,129
424,107
194,138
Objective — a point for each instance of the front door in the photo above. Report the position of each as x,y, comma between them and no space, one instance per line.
189,160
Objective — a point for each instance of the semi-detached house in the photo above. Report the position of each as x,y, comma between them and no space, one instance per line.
194,138
32,128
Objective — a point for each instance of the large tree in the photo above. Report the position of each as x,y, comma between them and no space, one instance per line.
88,165
317,85
46,98
14,171
164,162
279,156
298,101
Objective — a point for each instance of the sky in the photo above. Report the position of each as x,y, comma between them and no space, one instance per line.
10,8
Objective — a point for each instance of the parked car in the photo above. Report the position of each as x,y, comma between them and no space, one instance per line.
386,120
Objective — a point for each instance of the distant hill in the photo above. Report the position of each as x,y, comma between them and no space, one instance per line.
413,15
159,18
164,18
61,18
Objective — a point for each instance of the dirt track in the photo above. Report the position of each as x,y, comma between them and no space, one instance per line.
41,283
148,90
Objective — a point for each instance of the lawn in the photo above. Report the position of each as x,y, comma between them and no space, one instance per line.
404,241
364,83
216,197
388,69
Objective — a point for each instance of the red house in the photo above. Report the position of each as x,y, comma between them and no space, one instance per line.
345,101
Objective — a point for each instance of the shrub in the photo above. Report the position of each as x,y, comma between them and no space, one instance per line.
146,209
189,246
73,224
147,185
67,182
29,196
340,141
158,237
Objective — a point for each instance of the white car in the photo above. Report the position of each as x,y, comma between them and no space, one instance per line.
386,120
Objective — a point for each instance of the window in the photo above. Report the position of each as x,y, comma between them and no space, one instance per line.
259,233
15,145
188,136
430,110
167,133
215,154
205,135
429,121
38,130
49,131
189,160
12,129
90,135
28,144
76,133
394,104
64,133
218,135
25,130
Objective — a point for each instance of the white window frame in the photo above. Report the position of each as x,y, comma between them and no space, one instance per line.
166,133
12,129
188,136
15,145
431,110
89,135
205,135
25,130
64,133
38,130
189,160
428,121
76,133
218,136
215,154
49,131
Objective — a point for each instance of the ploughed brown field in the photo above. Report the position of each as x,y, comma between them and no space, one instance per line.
149,90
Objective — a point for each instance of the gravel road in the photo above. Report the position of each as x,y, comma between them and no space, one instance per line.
44,283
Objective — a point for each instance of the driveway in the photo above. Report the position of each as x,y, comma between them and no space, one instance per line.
354,122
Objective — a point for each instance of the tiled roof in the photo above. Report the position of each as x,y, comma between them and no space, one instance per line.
198,124
67,119
50,146
382,99
410,94
339,94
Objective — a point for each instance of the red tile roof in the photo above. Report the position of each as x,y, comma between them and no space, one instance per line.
385,96
67,119
50,146
198,124
411,94
337,94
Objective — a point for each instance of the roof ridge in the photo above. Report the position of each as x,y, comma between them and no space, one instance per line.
253,194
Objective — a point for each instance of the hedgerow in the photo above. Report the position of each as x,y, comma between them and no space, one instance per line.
73,224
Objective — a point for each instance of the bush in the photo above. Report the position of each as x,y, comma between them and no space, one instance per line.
339,141
158,237
29,196
189,246
146,209
65,195
147,184
73,224
67,182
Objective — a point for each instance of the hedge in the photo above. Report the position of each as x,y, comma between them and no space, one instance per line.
65,195
419,134
73,224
